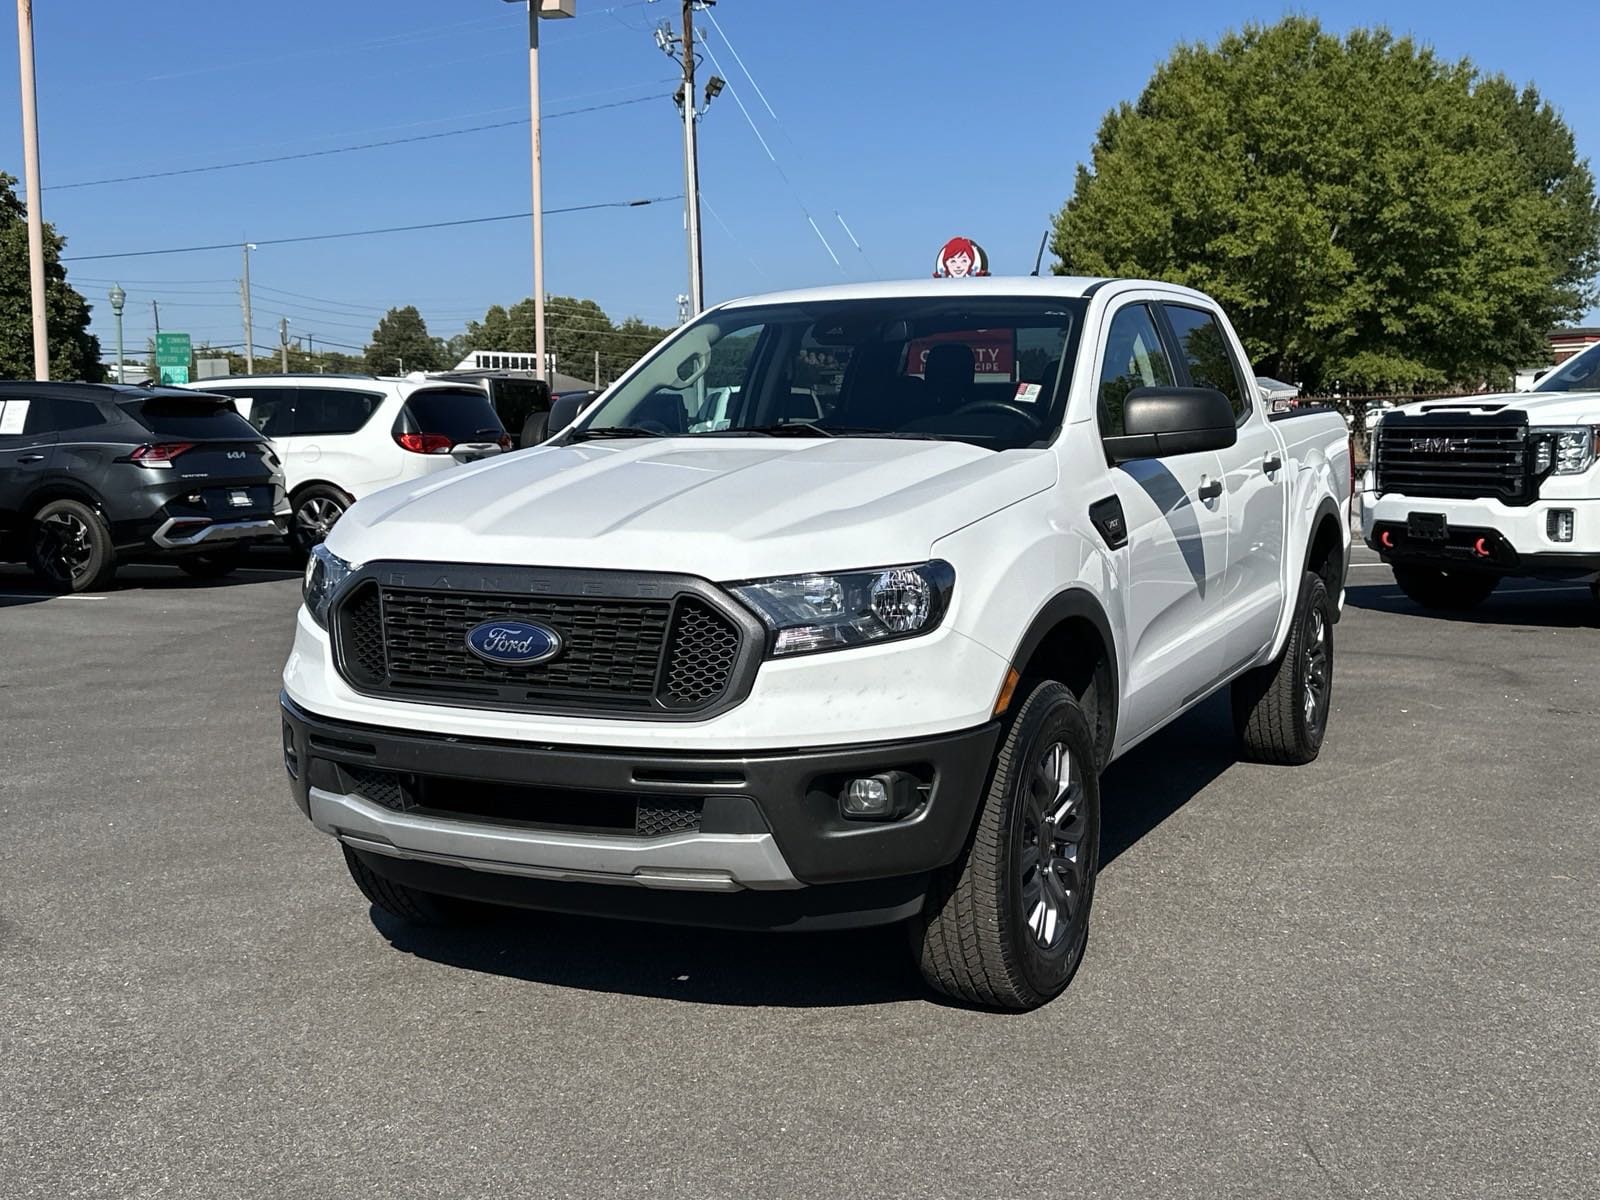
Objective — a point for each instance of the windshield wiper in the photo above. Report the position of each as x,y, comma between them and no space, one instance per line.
811,429
613,431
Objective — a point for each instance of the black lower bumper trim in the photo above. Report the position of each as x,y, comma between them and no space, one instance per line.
793,792
808,909
1479,549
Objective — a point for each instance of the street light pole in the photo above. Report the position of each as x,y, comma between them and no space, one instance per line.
30,162
691,164
118,299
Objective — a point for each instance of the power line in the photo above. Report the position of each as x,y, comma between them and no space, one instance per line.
304,154
324,237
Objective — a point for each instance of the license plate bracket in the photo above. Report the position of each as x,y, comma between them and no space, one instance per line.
1427,527
239,498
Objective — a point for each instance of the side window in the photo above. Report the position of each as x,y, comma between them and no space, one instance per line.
1211,363
53,414
270,410
1134,359
333,410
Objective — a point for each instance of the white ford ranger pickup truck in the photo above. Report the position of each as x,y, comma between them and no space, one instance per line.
1461,494
831,611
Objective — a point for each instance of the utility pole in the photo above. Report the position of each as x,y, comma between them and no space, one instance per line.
597,370
311,349
249,324
155,311
283,343
30,162
691,160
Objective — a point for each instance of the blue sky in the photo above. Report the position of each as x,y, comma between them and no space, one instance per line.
911,121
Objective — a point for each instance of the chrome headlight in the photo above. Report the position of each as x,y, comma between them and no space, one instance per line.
1564,449
325,571
829,612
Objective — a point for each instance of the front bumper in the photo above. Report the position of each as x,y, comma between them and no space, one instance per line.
1514,540
767,822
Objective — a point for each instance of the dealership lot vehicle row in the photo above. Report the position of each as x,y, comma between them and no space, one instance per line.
1368,975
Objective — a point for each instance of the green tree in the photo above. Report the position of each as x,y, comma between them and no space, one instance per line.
574,330
1367,213
74,351
401,339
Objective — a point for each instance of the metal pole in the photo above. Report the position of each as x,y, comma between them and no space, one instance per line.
691,164
30,161
118,299
283,343
249,324
538,191
119,347
155,311
597,370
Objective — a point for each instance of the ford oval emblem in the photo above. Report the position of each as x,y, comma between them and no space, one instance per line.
513,643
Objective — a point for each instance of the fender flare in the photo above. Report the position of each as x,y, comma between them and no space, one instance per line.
1329,508
60,489
1078,602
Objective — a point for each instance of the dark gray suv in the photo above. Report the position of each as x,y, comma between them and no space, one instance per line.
93,474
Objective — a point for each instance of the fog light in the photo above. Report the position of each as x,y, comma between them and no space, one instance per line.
1558,524
884,797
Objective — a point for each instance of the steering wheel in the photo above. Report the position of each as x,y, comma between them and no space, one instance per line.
997,406
653,426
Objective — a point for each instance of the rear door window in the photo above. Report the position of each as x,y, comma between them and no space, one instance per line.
56,414
333,410
1205,347
461,414
270,410
196,418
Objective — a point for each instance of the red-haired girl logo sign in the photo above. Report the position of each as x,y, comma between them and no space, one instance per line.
960,257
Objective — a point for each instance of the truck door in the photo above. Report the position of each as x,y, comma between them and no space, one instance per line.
1175,513
1255,475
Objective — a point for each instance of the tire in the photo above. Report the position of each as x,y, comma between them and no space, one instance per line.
1280,711
983,936
409,904
213,564
69,547
314,511
1449,591
533,430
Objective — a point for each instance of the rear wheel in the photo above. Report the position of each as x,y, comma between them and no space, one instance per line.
409,904
70,548
213,564
534,429
1280,711
1451,591
314,512
1006,924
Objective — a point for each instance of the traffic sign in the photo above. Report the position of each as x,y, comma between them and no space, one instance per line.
173,351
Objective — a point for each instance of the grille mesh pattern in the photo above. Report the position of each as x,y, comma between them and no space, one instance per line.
1460,460
381,787
631,655
657,818
705,646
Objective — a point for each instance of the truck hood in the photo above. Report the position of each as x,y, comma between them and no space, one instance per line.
1543,408
724,508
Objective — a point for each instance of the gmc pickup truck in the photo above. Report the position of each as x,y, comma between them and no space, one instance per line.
830,612
1463,493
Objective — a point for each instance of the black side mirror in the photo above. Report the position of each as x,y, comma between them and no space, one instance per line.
1162,421
563,412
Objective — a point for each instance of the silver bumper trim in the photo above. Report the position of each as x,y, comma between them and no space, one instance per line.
214,534
705,862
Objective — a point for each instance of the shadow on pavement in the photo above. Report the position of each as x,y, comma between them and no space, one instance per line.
1549,603
19,586
802,970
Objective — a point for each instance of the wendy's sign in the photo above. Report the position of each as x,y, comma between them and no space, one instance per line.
959,258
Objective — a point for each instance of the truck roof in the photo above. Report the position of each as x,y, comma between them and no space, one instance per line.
1062,286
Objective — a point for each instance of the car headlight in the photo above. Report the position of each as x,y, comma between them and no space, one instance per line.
1564,450
325,571
806,613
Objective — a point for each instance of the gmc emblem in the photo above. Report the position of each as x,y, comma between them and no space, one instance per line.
1439,445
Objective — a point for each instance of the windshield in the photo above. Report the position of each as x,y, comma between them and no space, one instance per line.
1580,373
988,371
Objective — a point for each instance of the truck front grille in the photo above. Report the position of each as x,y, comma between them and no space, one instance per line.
1456,456
682,654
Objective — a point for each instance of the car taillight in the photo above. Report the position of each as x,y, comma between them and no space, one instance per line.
424,443
159,456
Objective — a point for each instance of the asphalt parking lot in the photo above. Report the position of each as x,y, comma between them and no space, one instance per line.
1375,976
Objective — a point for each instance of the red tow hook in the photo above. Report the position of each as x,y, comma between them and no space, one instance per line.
1386,540
1481,548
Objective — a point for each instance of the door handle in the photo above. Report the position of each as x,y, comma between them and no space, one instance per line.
1210,491
30,458
1272,463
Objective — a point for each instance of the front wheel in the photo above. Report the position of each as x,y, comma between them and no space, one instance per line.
409,904
1448,591
71,549
314,512
1006,924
